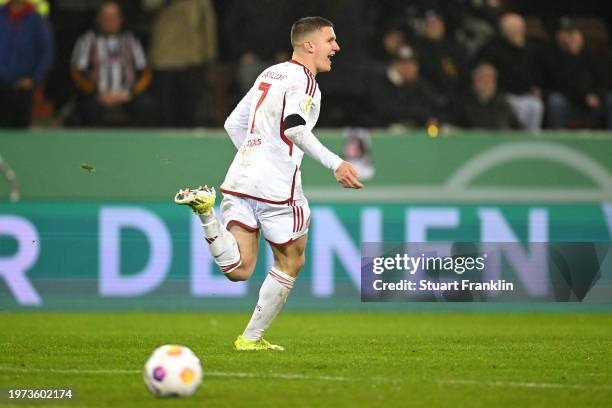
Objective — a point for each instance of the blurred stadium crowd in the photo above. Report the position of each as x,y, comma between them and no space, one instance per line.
489,64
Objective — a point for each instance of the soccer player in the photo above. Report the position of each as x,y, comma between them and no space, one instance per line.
272,129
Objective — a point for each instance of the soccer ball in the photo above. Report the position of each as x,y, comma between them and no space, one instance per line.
172,370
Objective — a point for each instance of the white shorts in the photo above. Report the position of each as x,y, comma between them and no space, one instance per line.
280,224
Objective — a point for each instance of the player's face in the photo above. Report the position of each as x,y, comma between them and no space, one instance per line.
326,47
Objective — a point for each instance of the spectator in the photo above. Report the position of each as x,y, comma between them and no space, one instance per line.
183,40
445,64
393,39
399,95
577,92
256,35
515,61
474,22
483,107
345,86
26,52
110,69
41,6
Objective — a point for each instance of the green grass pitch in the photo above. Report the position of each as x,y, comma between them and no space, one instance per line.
331,359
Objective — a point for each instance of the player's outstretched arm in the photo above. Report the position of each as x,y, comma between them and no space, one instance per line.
303,138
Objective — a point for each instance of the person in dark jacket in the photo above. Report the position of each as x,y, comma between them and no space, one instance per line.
255,33
399,95
577,91
443,63
484,107
515,61
26,53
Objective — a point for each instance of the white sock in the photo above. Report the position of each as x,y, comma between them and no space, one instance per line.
222,244
272,297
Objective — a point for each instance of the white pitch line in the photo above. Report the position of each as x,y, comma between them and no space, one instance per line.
68,370
288,376
294,376
526,384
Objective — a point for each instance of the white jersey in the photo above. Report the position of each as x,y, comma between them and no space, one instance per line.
267,164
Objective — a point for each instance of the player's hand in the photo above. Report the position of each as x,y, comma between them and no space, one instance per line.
347,176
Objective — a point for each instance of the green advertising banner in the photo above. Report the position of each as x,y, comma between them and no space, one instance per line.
476,167
152,256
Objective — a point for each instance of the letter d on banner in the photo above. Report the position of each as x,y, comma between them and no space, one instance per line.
111,222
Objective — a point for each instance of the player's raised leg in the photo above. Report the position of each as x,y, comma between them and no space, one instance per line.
234,251
288,261
222,244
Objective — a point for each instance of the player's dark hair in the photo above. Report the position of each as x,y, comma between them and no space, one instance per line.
306,25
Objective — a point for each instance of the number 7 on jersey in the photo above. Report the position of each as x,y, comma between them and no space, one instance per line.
264,87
